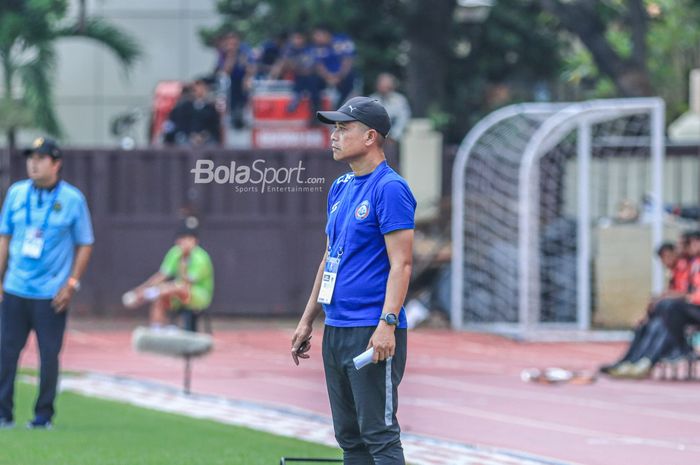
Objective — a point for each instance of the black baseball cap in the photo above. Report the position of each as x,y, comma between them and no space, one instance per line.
363,109
189,227
45,146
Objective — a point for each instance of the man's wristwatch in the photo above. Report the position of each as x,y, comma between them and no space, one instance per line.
390,319
74,283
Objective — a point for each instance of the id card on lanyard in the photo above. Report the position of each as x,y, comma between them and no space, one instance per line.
33,244
330,271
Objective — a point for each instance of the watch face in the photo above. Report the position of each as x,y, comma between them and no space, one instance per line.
390,318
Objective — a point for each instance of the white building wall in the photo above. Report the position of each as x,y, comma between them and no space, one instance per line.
91,88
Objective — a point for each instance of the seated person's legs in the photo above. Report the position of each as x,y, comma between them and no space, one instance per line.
198,300
170,295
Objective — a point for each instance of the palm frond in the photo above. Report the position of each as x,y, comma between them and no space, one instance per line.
123,45
38,92
15,114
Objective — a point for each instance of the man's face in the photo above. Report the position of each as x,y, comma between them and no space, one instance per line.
694,247
385,84
230,43
322,37
41,167
298,40
186,243
348,140
200,90
669,257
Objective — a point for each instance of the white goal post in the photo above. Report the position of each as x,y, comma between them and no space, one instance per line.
521,209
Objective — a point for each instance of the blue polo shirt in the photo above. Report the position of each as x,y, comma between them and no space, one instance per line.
331,56
68,226
361,210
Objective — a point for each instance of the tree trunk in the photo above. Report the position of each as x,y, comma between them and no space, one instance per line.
427,28
630,75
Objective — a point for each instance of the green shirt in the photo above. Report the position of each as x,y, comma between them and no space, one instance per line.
200,271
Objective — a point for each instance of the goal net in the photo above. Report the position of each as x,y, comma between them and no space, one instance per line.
529,182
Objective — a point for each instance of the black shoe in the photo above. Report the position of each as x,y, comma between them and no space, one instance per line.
39,423
6,424
607,368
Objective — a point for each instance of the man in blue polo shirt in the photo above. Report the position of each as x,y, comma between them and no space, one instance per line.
362,283
335,56
45,245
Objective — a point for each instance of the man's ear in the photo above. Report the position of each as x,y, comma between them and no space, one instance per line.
371,137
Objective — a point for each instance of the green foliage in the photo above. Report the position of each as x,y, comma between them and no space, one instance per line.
514,45
673,51
29,31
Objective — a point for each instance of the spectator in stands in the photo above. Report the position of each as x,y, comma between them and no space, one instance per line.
268,54
184,283
235,62
395,103
298,60
195,120
176,127
335,56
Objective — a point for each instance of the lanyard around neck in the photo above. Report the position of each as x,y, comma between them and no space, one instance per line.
28,206
339,244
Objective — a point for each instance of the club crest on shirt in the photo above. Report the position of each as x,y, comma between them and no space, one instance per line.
335,206
57,207
362,211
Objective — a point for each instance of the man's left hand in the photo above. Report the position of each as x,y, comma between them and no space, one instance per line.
63,298
384,342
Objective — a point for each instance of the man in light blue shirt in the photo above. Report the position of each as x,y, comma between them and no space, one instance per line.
45,244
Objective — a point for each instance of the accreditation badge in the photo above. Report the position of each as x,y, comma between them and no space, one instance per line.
330,273
33,243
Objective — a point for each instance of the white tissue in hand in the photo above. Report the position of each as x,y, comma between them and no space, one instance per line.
364,359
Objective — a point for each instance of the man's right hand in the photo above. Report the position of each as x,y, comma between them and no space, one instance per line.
300,342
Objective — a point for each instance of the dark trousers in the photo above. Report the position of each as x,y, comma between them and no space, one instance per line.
344,87
312,85
18,316
652,339
190,319
681,315
364,402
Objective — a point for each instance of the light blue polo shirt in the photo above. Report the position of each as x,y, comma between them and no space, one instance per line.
68,226
361,210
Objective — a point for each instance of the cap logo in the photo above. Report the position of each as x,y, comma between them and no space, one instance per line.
38,142
351,108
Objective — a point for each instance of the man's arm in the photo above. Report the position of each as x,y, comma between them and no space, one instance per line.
399,247
4,249
82,257
312,310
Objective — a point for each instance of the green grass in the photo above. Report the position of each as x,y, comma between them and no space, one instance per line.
97,432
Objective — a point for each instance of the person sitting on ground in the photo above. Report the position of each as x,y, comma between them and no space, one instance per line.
184,282
650,335
661,342
685,312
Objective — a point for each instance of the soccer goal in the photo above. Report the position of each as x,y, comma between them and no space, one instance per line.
524,204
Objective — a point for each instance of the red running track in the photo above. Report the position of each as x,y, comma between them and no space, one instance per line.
458,386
